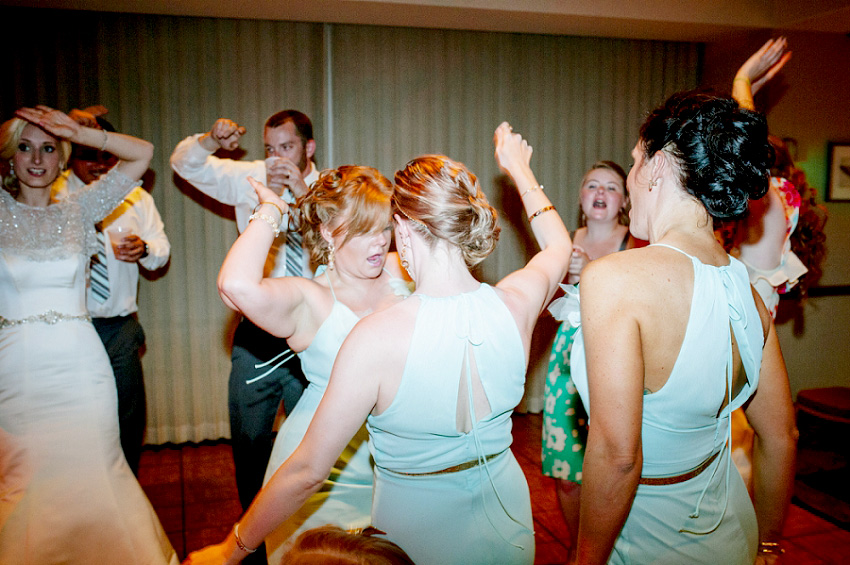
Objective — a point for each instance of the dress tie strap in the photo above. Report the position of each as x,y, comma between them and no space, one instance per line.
287,354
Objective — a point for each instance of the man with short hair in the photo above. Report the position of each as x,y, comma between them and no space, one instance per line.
263,369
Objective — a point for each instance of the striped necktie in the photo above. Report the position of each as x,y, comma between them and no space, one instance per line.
99,274
294,251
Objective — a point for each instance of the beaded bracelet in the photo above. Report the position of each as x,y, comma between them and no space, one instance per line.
269,202
105,139
532,189
537,213
275,225
239,543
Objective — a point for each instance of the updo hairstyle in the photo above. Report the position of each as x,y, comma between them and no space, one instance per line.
443,200
331,545
720,149
10,138
353,200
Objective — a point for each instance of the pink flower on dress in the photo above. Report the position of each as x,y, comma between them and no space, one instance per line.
789,193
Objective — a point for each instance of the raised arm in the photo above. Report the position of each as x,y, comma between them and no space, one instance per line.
537,282
270,303
134,154
758,69
224,134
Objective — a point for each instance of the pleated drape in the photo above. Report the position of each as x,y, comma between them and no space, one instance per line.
377,96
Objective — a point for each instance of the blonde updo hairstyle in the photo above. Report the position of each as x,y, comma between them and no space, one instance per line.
353,200
10,137
443,200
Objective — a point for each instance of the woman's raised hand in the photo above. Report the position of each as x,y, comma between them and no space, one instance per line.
765,63
512,151
265,194
55,122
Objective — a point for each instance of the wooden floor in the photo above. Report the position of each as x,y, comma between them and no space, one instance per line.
193,490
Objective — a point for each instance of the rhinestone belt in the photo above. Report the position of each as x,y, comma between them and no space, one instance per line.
50,317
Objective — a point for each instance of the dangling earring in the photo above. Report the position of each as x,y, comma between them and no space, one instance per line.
405,264
331,256
653,184
12,169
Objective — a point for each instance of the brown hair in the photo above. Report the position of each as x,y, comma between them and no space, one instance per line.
622,213
360,195
331,545
444,201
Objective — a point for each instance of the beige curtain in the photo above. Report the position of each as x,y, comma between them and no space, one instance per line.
377,96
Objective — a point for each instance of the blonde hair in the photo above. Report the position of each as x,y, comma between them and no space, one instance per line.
359,195
443,200
331,545
10,136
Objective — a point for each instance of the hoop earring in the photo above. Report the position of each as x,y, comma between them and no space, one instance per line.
331,256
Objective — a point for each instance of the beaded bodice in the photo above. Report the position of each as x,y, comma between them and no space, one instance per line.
63,228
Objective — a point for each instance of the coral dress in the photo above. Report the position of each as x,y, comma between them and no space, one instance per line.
67,494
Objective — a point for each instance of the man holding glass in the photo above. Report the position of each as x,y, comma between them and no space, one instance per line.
132,235
263,372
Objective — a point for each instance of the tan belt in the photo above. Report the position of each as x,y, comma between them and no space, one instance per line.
655,481
452,469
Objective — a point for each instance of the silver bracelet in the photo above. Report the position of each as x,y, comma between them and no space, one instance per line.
531,189
105,139
239,543
270,203
275,225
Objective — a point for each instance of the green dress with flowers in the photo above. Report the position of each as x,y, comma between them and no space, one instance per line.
564,418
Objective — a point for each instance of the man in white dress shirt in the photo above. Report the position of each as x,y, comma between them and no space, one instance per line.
263,371
114,315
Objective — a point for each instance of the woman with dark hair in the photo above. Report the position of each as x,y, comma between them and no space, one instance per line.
662,366
436,377
67,494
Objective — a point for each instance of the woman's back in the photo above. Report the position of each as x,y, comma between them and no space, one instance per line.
685,420
447,487
460,343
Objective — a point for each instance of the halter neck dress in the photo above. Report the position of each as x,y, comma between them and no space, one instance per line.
709,518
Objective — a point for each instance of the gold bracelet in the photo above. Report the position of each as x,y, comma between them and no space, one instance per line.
743,78
275,225
269,202
537,213
770,548
532,189
239,543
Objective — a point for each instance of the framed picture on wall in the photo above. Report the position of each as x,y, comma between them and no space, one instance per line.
838,177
